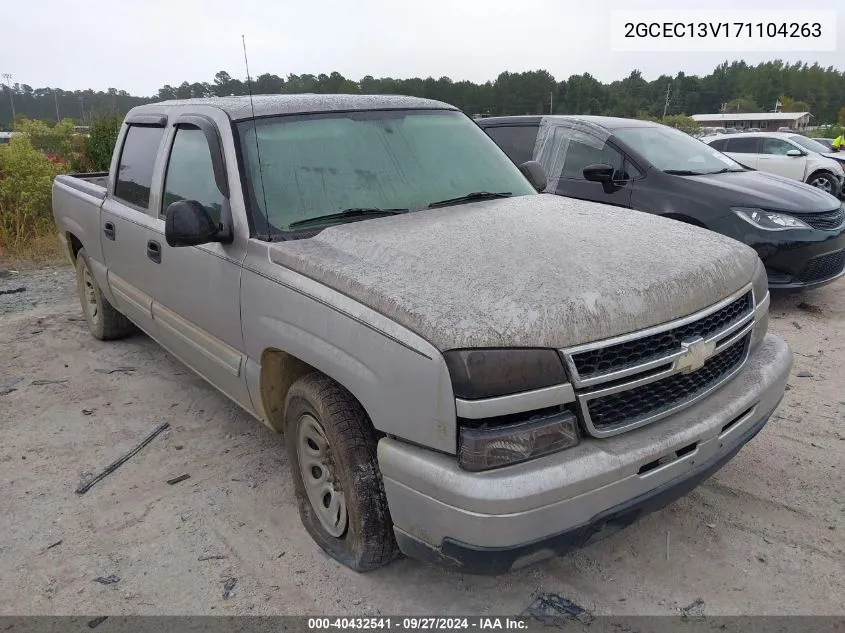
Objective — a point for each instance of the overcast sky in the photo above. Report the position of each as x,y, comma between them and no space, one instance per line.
140,46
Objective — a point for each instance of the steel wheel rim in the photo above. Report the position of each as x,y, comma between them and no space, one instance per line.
823,184
90,295
315,464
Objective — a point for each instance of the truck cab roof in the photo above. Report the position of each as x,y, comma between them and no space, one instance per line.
240,108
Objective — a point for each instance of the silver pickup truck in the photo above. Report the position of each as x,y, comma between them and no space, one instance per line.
464,370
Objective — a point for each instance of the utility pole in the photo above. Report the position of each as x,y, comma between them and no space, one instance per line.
82,107
551,102
8,78
666,104
56,100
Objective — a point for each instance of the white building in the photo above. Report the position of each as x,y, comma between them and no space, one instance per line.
765,121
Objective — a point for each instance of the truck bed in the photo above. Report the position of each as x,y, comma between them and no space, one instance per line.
93,183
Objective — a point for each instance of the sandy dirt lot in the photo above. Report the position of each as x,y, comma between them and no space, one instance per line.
766,535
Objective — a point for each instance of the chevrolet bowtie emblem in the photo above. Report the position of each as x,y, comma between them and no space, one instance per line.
696,352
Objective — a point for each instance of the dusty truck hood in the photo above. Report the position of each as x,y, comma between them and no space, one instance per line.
532,271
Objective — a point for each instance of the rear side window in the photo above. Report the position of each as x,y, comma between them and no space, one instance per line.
517,141
719,144
190,175
745,145
137,160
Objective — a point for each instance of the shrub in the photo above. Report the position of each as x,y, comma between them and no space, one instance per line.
26,177
99,144
55,139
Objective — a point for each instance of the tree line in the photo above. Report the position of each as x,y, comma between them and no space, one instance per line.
734,87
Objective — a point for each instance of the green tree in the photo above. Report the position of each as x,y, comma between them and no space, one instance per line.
51,139
99,144
682,122
841,116
742,104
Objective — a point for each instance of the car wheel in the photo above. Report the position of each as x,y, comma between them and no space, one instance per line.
104,321
824,181
331,445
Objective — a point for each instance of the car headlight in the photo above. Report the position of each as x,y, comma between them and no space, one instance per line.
487,373
769,220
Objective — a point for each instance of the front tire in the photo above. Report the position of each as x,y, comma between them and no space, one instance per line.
104,322
824,181
331,446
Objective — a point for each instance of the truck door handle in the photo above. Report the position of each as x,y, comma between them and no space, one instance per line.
154,251
108,230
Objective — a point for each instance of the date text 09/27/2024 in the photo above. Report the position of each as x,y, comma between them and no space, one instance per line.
416,623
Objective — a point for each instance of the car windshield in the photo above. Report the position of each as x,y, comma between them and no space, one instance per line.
810,144
671,151
328,164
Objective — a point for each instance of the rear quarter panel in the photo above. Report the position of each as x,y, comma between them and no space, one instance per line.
76,210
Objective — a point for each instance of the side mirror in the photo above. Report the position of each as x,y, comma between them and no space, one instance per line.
535,173
187,223
598,173
795,152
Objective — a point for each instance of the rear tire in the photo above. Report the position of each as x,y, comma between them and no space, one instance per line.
331,447
824,181
104,322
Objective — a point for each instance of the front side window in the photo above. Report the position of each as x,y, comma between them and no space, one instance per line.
719,144
316,165
776,146
137,161
190,175
744,145
516,140
584,150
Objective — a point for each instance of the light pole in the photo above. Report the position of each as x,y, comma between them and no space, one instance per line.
8,78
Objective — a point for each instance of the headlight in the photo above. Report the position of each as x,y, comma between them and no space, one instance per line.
485,448
486,373
769,220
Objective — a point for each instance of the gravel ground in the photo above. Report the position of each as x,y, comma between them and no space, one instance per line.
45,286
763,536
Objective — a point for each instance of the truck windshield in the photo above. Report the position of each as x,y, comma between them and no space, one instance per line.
323,165
672,151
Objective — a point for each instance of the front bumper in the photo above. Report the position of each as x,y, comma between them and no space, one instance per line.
797,258
503,519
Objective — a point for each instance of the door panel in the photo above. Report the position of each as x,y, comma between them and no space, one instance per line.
125,222
773,159
745,150
196,297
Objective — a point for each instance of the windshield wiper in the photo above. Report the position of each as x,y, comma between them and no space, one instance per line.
471,197
358,212
685,172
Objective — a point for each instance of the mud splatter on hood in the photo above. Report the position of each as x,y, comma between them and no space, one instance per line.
532,271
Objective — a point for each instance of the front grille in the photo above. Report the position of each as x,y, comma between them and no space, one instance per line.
628,407
642,350
823,267
826,221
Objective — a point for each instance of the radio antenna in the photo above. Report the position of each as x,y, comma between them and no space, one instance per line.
255,133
